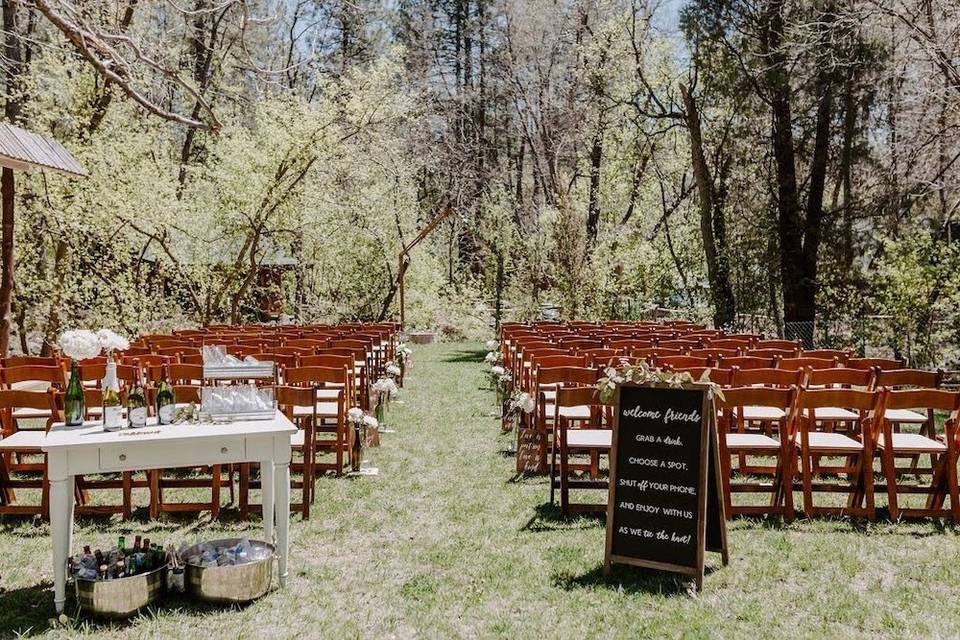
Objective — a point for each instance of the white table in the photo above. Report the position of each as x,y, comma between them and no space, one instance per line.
88,449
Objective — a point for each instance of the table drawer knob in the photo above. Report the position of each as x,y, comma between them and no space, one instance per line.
223,449
123,457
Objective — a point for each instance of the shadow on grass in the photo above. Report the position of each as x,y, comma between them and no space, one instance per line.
29,612
548,517
466,355
627,579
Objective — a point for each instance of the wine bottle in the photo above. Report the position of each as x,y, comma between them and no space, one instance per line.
110,389
166,403
73,405
356,454
137,405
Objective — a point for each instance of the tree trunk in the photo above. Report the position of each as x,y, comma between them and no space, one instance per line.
6,261
712,224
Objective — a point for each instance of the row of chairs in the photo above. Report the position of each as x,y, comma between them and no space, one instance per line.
333,381
812,450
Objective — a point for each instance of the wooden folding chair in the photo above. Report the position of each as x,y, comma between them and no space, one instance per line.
840,356
329,411
856,448
161,483
590,436
299,405
23,444
942,452
548,382
875,363
734,440
747,362
806,363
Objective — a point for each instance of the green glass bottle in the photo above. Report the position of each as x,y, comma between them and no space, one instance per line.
73,406
166,402
137,406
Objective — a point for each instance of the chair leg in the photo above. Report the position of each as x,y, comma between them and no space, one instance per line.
244,492
564,468
215,492
888,465
154,479
726,470
127,483
866,463
807,480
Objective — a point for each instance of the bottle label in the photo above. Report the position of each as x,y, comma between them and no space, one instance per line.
111,418
165,413
138,417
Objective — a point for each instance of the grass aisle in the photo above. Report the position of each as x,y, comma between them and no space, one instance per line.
445,544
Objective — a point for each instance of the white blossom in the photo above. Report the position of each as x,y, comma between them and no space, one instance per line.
112,341
79,344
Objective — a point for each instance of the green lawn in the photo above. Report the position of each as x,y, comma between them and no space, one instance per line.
445,543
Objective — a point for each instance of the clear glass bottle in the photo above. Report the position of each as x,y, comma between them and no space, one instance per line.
110,388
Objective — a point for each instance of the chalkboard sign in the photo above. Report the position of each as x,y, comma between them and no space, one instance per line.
530,445
664,508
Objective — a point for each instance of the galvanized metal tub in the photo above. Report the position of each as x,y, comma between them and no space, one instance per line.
121,597
232,583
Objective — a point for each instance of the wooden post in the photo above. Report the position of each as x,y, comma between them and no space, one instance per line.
400,273
6,259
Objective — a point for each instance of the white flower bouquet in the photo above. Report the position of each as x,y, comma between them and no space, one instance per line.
111,341
79,344
393,370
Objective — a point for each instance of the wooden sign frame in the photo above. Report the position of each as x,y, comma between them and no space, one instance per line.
708,488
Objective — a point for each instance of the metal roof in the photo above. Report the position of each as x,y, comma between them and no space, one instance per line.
21,150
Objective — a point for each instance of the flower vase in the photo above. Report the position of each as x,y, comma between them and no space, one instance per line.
356,446
73,401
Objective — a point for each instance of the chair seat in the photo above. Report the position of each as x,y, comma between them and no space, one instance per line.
834,414
31,414
589,438
30,385
324,410
580,412
904,416
751,441
762,413
831,441
913,443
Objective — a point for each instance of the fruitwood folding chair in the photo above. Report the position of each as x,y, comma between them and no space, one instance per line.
806,363
942,452
747,362
856,448
186,478
840,356
299,405
734,440
548,383
329,413
787,345
681,362
875,363
15,443
589,436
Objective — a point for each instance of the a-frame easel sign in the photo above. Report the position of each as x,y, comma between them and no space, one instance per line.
665,509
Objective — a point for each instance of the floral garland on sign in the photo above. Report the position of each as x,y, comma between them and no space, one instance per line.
643,373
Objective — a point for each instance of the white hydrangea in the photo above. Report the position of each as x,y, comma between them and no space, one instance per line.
80,344
371,422
393,369
355,414
492,358
112,341
385,385
497,370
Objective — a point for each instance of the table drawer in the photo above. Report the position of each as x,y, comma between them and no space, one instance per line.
153,455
